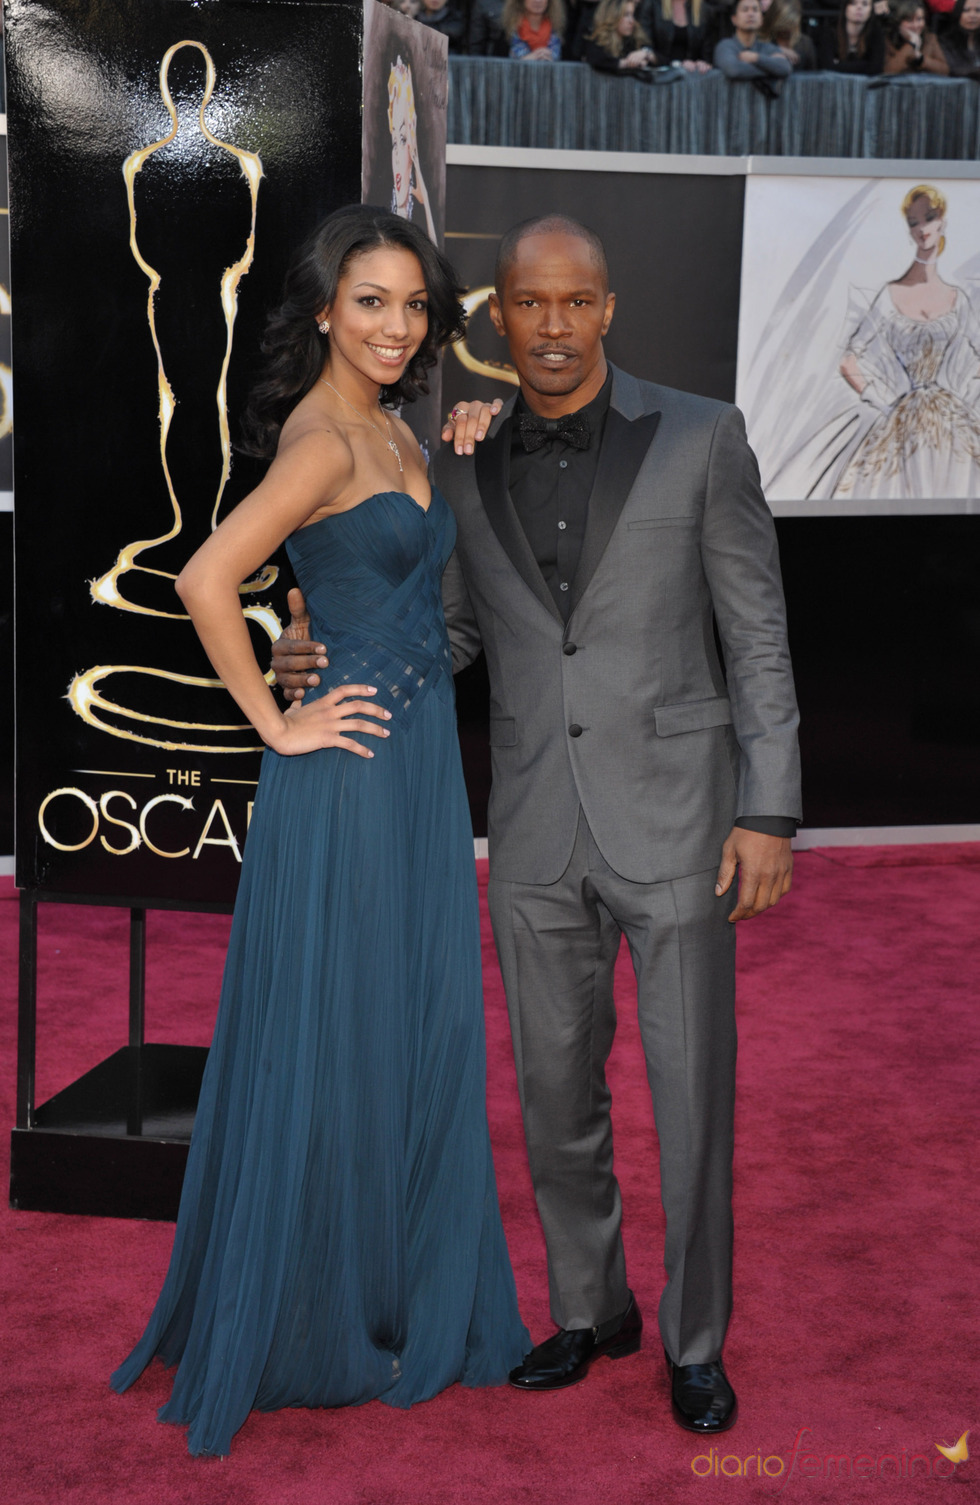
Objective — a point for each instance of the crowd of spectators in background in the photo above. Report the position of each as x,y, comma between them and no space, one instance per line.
759,40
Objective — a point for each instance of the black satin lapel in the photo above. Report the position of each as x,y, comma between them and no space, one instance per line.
624,446
492,462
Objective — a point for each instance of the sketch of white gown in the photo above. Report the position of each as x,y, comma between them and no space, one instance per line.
913,435
923,380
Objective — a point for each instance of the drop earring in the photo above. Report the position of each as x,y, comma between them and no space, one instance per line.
324,326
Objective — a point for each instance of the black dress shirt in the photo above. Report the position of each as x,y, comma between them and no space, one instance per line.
550,487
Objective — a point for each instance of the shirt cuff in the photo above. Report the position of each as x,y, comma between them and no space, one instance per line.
768,825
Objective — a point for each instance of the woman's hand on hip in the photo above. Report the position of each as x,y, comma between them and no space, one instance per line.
330,721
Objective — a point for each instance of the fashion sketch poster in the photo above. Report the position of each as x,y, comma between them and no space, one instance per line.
859,342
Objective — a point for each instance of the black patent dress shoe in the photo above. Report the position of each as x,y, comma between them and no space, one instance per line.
564,1358
701,1396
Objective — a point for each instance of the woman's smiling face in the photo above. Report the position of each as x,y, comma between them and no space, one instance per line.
379,316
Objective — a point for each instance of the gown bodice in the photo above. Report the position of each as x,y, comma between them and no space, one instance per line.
921,344
372,581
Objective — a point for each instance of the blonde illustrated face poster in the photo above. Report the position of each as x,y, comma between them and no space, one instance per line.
859,342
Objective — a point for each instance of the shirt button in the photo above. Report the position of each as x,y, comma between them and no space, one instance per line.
563,525
569,648
562,464
575,730
563,586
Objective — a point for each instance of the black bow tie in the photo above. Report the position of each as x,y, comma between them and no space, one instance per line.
572,429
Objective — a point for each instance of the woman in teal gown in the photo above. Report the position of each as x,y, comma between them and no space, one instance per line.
339,1238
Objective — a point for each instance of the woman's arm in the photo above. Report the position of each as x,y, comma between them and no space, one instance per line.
851,372
312,470
933,57
597,57
900,57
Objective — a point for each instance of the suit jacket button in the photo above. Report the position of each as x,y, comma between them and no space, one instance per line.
568,648
575,730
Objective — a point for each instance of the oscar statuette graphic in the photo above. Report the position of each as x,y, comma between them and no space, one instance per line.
108,696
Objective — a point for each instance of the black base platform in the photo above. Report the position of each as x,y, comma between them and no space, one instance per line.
114,1143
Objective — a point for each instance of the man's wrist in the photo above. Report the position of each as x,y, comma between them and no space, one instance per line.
768,825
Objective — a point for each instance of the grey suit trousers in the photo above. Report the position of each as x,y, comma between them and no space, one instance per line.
557,945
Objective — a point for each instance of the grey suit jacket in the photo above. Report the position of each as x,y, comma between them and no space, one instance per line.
627,711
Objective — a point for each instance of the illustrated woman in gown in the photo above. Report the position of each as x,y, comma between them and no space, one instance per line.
339,1238
913,358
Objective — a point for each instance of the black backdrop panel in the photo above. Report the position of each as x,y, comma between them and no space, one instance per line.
6,523
116,710
6,380
6,672
885,633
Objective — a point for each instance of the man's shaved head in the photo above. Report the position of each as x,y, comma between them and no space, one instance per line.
547,224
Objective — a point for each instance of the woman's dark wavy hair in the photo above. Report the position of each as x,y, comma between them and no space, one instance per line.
867,31
293,345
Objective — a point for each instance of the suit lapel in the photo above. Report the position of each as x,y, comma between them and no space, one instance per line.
625,443
492,462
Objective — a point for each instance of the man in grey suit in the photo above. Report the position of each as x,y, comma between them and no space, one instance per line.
606,528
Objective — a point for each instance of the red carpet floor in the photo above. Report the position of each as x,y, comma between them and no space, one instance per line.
854,1341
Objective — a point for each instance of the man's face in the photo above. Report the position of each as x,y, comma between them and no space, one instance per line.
553,310
747,15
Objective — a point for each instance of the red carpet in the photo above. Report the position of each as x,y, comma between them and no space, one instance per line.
854,1340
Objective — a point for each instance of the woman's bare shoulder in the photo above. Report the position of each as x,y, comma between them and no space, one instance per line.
310,416
314,453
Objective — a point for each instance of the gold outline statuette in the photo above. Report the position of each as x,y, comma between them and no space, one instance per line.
83,693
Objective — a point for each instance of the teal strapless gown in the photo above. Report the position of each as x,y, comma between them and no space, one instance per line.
339,1237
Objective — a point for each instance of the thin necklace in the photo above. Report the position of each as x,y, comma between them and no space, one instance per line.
389,441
